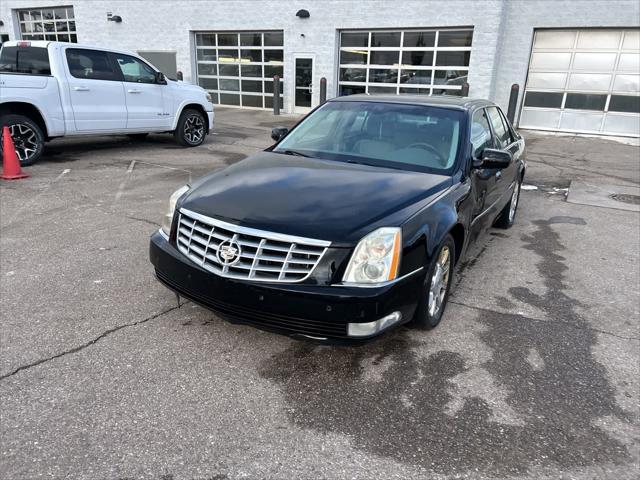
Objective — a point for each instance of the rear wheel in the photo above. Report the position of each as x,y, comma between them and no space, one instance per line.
27,137
508,215
191,128
436,288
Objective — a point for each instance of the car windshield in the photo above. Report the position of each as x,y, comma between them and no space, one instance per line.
395,135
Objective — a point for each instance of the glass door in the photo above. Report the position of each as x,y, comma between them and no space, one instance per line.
303,83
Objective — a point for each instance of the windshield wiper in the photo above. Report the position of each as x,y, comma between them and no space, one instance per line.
292,152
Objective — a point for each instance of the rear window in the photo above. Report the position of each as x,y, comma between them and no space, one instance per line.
30,60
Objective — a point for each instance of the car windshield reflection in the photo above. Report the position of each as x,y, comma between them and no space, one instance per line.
395,135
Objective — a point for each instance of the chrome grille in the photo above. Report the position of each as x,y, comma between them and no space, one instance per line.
260,256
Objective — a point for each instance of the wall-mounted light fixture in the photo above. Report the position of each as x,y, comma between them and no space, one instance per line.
303,13
1,23
113,18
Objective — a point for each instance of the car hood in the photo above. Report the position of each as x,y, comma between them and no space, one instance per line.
321,199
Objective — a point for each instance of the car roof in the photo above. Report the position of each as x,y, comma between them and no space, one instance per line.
46,43
442,101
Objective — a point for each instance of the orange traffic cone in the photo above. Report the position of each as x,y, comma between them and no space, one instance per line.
10,164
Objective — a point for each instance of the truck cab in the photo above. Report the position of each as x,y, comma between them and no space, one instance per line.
54,89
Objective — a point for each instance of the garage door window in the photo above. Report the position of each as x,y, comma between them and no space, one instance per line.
584,81
404,61
237,68
57,24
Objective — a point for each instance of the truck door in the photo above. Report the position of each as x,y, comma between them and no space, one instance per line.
148,102
96,91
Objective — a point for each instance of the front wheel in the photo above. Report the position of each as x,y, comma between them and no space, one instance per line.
191,128
27,137
436,288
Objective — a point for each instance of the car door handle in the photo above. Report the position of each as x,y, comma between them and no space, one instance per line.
81,89
134,90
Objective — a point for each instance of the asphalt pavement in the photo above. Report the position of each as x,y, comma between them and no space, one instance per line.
533,372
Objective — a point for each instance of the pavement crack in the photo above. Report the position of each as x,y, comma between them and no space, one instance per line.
104,334
488,310
150,222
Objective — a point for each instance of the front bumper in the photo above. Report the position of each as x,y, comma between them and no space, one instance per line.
320,312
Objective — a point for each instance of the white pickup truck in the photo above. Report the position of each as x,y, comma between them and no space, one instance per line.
53,89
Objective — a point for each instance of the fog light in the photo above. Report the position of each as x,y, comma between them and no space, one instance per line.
371,328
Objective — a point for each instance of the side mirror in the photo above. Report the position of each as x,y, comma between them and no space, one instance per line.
493,158
160,78
278,133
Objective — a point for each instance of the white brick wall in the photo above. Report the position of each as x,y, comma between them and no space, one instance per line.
501,43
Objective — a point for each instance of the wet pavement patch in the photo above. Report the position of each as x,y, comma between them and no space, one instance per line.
402,412
625,198
566,219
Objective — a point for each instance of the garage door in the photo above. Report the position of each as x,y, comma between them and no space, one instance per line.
425,61
585,81
237,68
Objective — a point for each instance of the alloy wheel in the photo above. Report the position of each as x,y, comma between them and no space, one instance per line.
514,202
24,139
439,282
194,129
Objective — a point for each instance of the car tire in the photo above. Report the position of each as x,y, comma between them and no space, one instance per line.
27,136
507,216
191,129
437,285
138,137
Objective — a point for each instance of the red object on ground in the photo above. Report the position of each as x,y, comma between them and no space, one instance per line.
10,163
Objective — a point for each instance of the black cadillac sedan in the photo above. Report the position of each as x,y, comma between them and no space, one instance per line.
352,223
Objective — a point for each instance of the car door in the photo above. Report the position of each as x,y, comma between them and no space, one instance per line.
484,181
504,140
95,91
516,147
147,101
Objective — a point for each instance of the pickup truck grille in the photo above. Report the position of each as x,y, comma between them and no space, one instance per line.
244,253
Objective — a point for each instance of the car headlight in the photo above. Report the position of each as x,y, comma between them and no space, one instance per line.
173,199
208,97
376,257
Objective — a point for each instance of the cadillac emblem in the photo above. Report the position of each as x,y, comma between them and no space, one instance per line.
229,253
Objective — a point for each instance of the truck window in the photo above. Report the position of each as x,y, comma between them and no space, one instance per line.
90,64
28,60
134,70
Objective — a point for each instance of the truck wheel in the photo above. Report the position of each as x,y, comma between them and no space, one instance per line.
191,128
27,138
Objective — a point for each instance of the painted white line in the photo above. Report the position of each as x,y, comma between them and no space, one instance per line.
131,165
38,195
64,172
120,190
166,167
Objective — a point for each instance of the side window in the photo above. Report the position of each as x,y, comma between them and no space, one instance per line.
480,133
29,60
90,64
502,133
508,126
134,70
